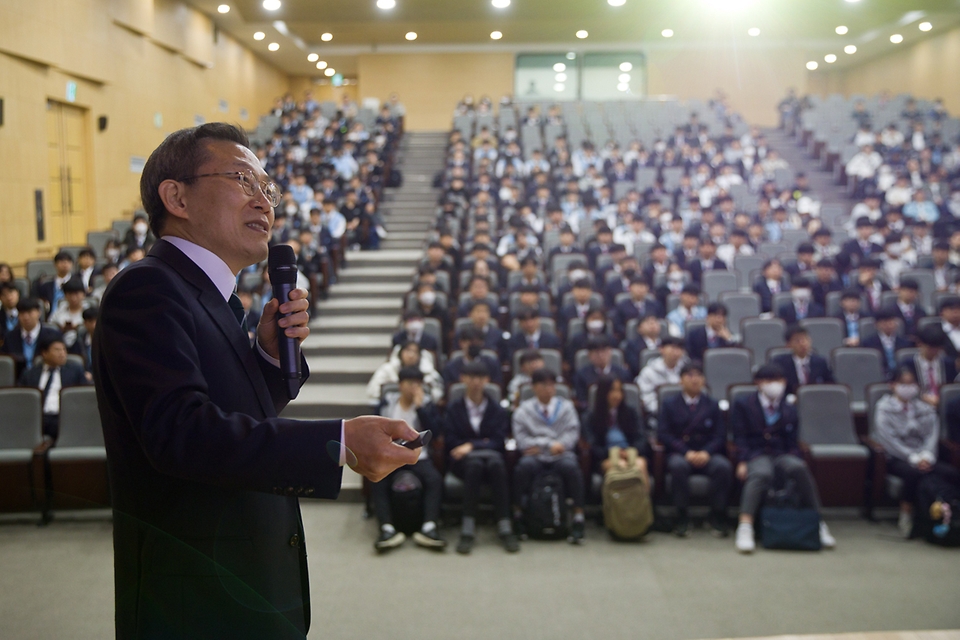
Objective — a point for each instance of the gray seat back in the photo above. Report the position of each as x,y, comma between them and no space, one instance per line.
824,413
857,368
7,368
21,418
759,335
825,333
79,418
724,367
458,390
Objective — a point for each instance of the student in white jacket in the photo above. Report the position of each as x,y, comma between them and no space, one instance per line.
660,371
407,355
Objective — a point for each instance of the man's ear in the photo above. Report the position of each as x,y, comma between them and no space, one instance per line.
173,194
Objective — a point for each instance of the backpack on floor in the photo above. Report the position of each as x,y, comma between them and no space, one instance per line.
546,514
785,525
406,502
627,510
938,514
395,179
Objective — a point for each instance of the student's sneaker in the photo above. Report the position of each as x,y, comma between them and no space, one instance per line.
745,543
905,524
510,542
465,545
717,523
827,541
576,532
431,540
389,540
519,528
681,527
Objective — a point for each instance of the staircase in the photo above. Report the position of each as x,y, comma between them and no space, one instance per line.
822,182
351,331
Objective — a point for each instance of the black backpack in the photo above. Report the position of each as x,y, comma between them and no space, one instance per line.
785,525
546,513
406,502
395,179
938,516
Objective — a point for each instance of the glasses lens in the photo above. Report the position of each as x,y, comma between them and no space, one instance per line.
272,192
246,181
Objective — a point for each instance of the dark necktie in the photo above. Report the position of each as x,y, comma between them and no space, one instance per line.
237,307
47,387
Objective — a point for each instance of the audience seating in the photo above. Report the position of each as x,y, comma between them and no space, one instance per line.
7,368
22,451
724,367
858,369
78,462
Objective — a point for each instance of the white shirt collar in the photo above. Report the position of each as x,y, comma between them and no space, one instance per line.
210,263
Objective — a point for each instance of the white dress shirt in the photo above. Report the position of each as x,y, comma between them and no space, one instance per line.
51,404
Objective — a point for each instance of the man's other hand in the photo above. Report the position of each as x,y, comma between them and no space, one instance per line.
294,325
371,441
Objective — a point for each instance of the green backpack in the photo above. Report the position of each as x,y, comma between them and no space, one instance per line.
627,510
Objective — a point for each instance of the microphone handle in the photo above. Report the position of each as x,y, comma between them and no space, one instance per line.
289,348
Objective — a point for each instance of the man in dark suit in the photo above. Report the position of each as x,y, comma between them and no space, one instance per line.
208,540
9,298
765,429
638,306
51,291
803,267
530,335
711,335
598,349
645,336
871,286
802,306
708,261
850,314
931,369
826,282
413,332
694,437
908,308
770,284
50,376
950,321
21,344
887,340
856,250
477,428
802,366
579,307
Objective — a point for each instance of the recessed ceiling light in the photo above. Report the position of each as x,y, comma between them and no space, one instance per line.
312,57
841,30
273,46
753,31
582,34
386,4
626,66
500,4
853,1
259,35
326,37
560,77
812,65
571,56
271,5
559,87
322,64
896,38
411,35
616,3
329,72
224,8
495,35
667,33
925,26
850,49
623,87
558,67
830,58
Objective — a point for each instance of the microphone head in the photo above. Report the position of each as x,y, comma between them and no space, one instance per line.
282,264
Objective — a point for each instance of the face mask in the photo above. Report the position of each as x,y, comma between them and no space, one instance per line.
894,250
773,390
676,278
802,295
140,228
113,254
577,274
596,326
415,326
428,297
906,391
291,208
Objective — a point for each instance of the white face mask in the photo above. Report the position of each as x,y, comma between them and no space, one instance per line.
291,208
428,297
415,326
140,228
773,390
113,254
577,274
894,250
802,295
596,326
906,392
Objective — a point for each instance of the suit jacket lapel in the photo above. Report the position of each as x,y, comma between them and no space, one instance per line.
221,314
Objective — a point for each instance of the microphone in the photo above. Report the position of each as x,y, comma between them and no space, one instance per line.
282,266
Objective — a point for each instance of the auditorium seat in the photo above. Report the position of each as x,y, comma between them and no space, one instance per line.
22,450
78,462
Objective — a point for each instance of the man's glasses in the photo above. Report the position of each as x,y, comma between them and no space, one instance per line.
249,183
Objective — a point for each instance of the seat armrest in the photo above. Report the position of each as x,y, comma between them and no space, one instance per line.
586,463
952,451
878,469
659,454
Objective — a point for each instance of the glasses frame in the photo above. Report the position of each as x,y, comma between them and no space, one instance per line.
249,183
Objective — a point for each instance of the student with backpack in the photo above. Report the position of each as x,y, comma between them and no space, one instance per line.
547,429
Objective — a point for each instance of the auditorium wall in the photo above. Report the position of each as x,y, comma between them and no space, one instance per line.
149,66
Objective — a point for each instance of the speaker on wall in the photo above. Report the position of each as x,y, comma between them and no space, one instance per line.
1,112
102,123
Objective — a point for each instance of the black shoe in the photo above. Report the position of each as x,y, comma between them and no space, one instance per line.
519,529
465,545
576,532
430,540
681,527
510,542
717,524
388,541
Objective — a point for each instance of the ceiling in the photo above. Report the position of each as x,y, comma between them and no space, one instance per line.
358,26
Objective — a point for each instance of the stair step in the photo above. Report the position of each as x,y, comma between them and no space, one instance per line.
351,324
376,274
369,290
328,401
381,257
346,344
359,306
353,369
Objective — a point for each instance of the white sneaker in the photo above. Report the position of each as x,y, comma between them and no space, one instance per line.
905,524
745,543
826,540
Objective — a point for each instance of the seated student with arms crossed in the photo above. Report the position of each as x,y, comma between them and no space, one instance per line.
765,429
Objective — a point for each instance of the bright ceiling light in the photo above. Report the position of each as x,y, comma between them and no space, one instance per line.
330,71
411,35
571,56
830,58
559,87
616,3
582,34
386,4
322,64
853,1
896,38
925,26
841,30
559,67
624,77
312,57
495,35
271,5
560,77
753,31
667,33
326,37
623,87
500,4
224,8
626,66
273,46
812,65
259,35
850,49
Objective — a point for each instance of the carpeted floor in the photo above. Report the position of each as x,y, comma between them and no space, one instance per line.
56,582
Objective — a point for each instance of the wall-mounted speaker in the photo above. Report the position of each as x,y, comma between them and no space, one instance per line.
102,123
1,112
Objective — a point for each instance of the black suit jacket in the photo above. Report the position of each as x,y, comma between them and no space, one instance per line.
13,346
696,269
427,342
698,343
948,372
208,540
71,375
852,254
819,371
627,311
587,375
518,342
762,289
681,430
494,427
754,437
874,342
909,325
788,312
